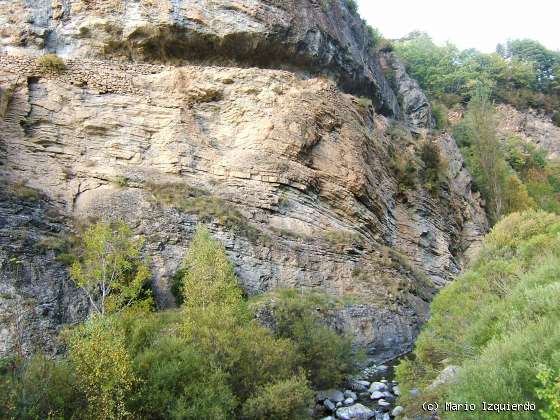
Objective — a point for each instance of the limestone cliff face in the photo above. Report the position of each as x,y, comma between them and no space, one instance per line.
530,126
319,36
290,171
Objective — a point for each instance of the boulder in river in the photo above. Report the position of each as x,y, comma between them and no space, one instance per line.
355,412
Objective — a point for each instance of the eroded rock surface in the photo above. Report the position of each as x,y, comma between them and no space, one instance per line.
414,104
291,174
322,37
530,126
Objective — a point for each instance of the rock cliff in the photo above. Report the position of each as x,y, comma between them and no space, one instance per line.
531,126
288,168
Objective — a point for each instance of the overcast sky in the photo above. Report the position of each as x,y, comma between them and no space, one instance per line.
479,24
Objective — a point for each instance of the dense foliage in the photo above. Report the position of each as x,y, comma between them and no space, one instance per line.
208,359
522,72
301,317
499,323
512,175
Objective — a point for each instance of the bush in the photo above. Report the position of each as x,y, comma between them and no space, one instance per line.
496,321
549,392
440,115
556,118
180,382
207,359
283,400
300,316
51,63
209,275
97,351
433,171
39,388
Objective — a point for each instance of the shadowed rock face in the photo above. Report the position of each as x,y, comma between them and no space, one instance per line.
37,298
414,104
291,174
318,36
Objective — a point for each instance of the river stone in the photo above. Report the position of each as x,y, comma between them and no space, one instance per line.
348,401
384,405
350,394
397,411
376,395
355,412
330,394
377,386
396,390
329,405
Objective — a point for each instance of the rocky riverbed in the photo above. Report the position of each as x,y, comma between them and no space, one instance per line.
372,394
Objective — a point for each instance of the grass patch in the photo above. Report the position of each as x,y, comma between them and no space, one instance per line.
51,63
342,238
121,181
24,192
206,207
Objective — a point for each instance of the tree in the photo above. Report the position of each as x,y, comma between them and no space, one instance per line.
210,278
485,154
97,351
111,269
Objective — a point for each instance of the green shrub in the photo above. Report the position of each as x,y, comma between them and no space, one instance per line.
556,118
121,181
549,392
328,357
440,115
103,366
39,388
326,5
207,359
51,63
496,322
283,400
433,171
110,268
180,382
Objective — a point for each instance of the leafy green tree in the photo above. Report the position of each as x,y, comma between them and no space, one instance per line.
210,278
485,153
111,269
98,353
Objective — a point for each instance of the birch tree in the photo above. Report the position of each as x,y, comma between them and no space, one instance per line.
111,269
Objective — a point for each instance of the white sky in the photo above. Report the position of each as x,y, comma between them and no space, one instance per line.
480,24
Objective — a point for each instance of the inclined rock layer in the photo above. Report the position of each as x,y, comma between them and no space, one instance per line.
321,36
292,175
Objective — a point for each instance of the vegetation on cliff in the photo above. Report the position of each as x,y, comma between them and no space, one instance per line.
512,175
207,359
498,323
